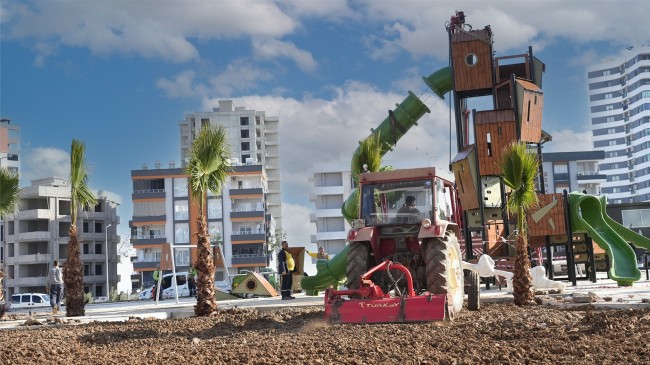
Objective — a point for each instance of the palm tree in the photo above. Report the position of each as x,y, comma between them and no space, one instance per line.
519,169
208,169
9,191
80,196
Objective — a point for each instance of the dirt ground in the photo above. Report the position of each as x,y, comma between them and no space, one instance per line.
497,334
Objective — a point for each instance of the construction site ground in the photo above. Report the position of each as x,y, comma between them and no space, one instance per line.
589,323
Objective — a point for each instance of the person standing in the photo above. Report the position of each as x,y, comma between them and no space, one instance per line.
55,282
322,255
156,278
286,266
192,281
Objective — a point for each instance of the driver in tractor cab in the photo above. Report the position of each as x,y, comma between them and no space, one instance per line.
409,207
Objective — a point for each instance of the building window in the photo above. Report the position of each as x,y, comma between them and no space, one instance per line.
609,119
99,269
214,209
205,122
182,233
182,256
85,227
608,96
611,143
98,248
181,210
245,146
214,229
243,120
245,133
611,131
606,73
86,249
86,269
636,218
609,107
180,187
98,227
616,190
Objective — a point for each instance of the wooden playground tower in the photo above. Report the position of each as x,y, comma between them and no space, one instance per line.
515,84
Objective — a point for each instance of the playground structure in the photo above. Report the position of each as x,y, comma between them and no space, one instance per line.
514,83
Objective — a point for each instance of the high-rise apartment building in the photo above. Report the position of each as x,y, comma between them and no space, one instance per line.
38,233
619,102
253,138
164,213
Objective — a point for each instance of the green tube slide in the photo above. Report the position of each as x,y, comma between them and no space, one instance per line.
329,273
588,216
399,122
627,234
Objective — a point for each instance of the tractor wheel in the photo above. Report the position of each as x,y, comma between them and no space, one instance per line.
474,295
445,271
358,259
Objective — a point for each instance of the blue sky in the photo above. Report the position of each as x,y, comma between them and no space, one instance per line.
120,75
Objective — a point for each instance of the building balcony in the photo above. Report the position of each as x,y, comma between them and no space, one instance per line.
144,265
28,281
148,240
32,236
39,258
246,193
247,215
249,260
338,235
237,237
257,167
591,177
328,213
148,194
34,214
142,220
329,190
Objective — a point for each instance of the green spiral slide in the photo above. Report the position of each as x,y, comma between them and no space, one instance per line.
588,215
390,131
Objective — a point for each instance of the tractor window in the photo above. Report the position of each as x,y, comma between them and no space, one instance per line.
397,202
443,201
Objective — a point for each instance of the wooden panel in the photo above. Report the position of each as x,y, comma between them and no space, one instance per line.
491,138
519,69
548,218
465,184
478,76
503,96
531,118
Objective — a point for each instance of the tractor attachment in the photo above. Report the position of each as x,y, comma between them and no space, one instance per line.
369,303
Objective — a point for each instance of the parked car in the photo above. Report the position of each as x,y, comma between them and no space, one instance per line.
30,300
168,289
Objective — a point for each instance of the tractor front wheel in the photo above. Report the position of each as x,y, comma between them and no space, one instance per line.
358,261
445,271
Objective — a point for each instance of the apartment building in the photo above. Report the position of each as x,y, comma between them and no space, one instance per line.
38,233
9,159
253,138
164,213
573,171
619,103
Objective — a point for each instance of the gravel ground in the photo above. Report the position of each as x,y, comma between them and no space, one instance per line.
497,334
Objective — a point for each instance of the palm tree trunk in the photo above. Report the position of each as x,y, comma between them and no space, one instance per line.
73,278
206,303
522,281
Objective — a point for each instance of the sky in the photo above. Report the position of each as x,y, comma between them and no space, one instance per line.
120,76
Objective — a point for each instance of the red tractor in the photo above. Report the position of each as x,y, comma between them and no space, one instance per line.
404,260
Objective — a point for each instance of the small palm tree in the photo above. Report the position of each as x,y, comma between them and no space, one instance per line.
367,158
80,196
9,192
208,169
519,169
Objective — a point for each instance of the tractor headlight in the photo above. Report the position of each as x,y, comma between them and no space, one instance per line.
426,223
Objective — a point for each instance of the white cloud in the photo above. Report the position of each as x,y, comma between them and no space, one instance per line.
43,162
566,140
273,48
295,222
150,29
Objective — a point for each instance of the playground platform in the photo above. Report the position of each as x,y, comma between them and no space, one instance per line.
603,293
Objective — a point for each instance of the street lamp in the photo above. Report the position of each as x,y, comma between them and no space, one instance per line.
108,288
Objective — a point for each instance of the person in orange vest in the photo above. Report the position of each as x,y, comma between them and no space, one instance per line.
286,266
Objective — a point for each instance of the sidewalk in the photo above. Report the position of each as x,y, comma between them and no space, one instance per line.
603,293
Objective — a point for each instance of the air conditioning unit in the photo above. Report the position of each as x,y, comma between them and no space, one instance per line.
144,228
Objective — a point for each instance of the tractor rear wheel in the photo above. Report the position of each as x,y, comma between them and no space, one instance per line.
445,271
474,295
358,259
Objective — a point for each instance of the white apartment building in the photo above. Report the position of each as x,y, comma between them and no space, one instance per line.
253,138
332,184
573,171
9,159
619,103
38,233
164,212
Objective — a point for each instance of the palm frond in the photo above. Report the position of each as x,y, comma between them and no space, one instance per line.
208,165
9,192
80,193
368,153
519,171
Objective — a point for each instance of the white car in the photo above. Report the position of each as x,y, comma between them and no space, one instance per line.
168,289
30,300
